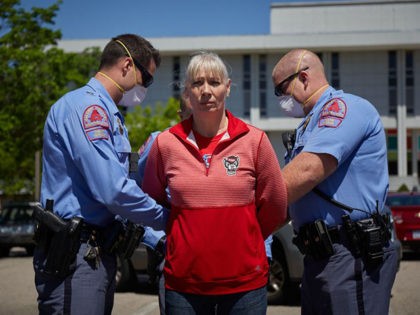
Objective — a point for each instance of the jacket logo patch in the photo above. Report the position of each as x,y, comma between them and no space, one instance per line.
231,164
333,113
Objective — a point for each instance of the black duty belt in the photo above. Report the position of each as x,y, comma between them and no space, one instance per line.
88,229
365,238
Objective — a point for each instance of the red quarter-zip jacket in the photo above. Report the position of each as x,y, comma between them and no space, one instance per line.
220,214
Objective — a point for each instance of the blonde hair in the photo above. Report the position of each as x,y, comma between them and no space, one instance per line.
210,62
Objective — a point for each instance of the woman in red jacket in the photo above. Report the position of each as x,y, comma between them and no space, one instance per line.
227,195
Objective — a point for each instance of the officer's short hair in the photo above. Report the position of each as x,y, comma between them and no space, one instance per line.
140,49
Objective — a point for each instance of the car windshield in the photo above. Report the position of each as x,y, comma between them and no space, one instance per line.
408,200
16,214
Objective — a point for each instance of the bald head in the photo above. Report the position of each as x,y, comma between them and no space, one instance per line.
310,75
296,60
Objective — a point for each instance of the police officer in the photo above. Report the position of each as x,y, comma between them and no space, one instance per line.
337,181
85,172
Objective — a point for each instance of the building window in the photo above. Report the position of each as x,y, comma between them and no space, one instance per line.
409,82
392,145
263,84
176,66
246,83
335,70
392,82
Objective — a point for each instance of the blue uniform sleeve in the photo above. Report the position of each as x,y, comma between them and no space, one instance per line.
143,155
340,128
268,241
151,237
100,153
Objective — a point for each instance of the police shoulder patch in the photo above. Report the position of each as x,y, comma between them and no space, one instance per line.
96,123
96,134
333,113
95,116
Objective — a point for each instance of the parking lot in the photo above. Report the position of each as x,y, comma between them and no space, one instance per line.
19,297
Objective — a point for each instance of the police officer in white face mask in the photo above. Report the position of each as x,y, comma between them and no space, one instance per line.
131,94
86,158
293,101
336,175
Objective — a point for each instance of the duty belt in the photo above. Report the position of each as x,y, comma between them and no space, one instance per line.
364,238
120,238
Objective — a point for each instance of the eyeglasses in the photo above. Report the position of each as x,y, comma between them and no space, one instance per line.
145,75
278,91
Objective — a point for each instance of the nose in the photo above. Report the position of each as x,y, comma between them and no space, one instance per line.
206,88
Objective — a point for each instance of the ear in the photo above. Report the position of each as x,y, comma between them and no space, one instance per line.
228,87
126,65
304,78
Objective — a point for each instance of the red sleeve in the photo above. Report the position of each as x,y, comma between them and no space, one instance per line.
271,193
154,182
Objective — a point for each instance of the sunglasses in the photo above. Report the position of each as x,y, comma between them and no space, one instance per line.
278,91
145,75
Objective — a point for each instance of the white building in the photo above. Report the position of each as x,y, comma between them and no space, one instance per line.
369,48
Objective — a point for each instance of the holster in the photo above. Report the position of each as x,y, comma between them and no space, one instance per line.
313,239
122,238
368,237
133,234
62,249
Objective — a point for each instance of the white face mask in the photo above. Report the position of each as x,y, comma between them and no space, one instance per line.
134,96
290,106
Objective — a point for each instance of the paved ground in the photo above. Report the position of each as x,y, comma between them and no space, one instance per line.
18,295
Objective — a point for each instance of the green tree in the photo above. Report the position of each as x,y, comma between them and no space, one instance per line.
142,121
34,73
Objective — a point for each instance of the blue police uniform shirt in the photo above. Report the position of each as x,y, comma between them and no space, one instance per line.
151,237
86,162
349,128
143,155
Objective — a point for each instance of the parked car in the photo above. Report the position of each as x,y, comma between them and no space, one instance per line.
394,236
16,227
405,207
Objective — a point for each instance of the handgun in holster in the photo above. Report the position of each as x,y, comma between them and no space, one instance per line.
64,246
313,239
132,237
59,239
122,238
47,224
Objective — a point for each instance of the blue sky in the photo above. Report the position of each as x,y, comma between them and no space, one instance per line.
87,19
